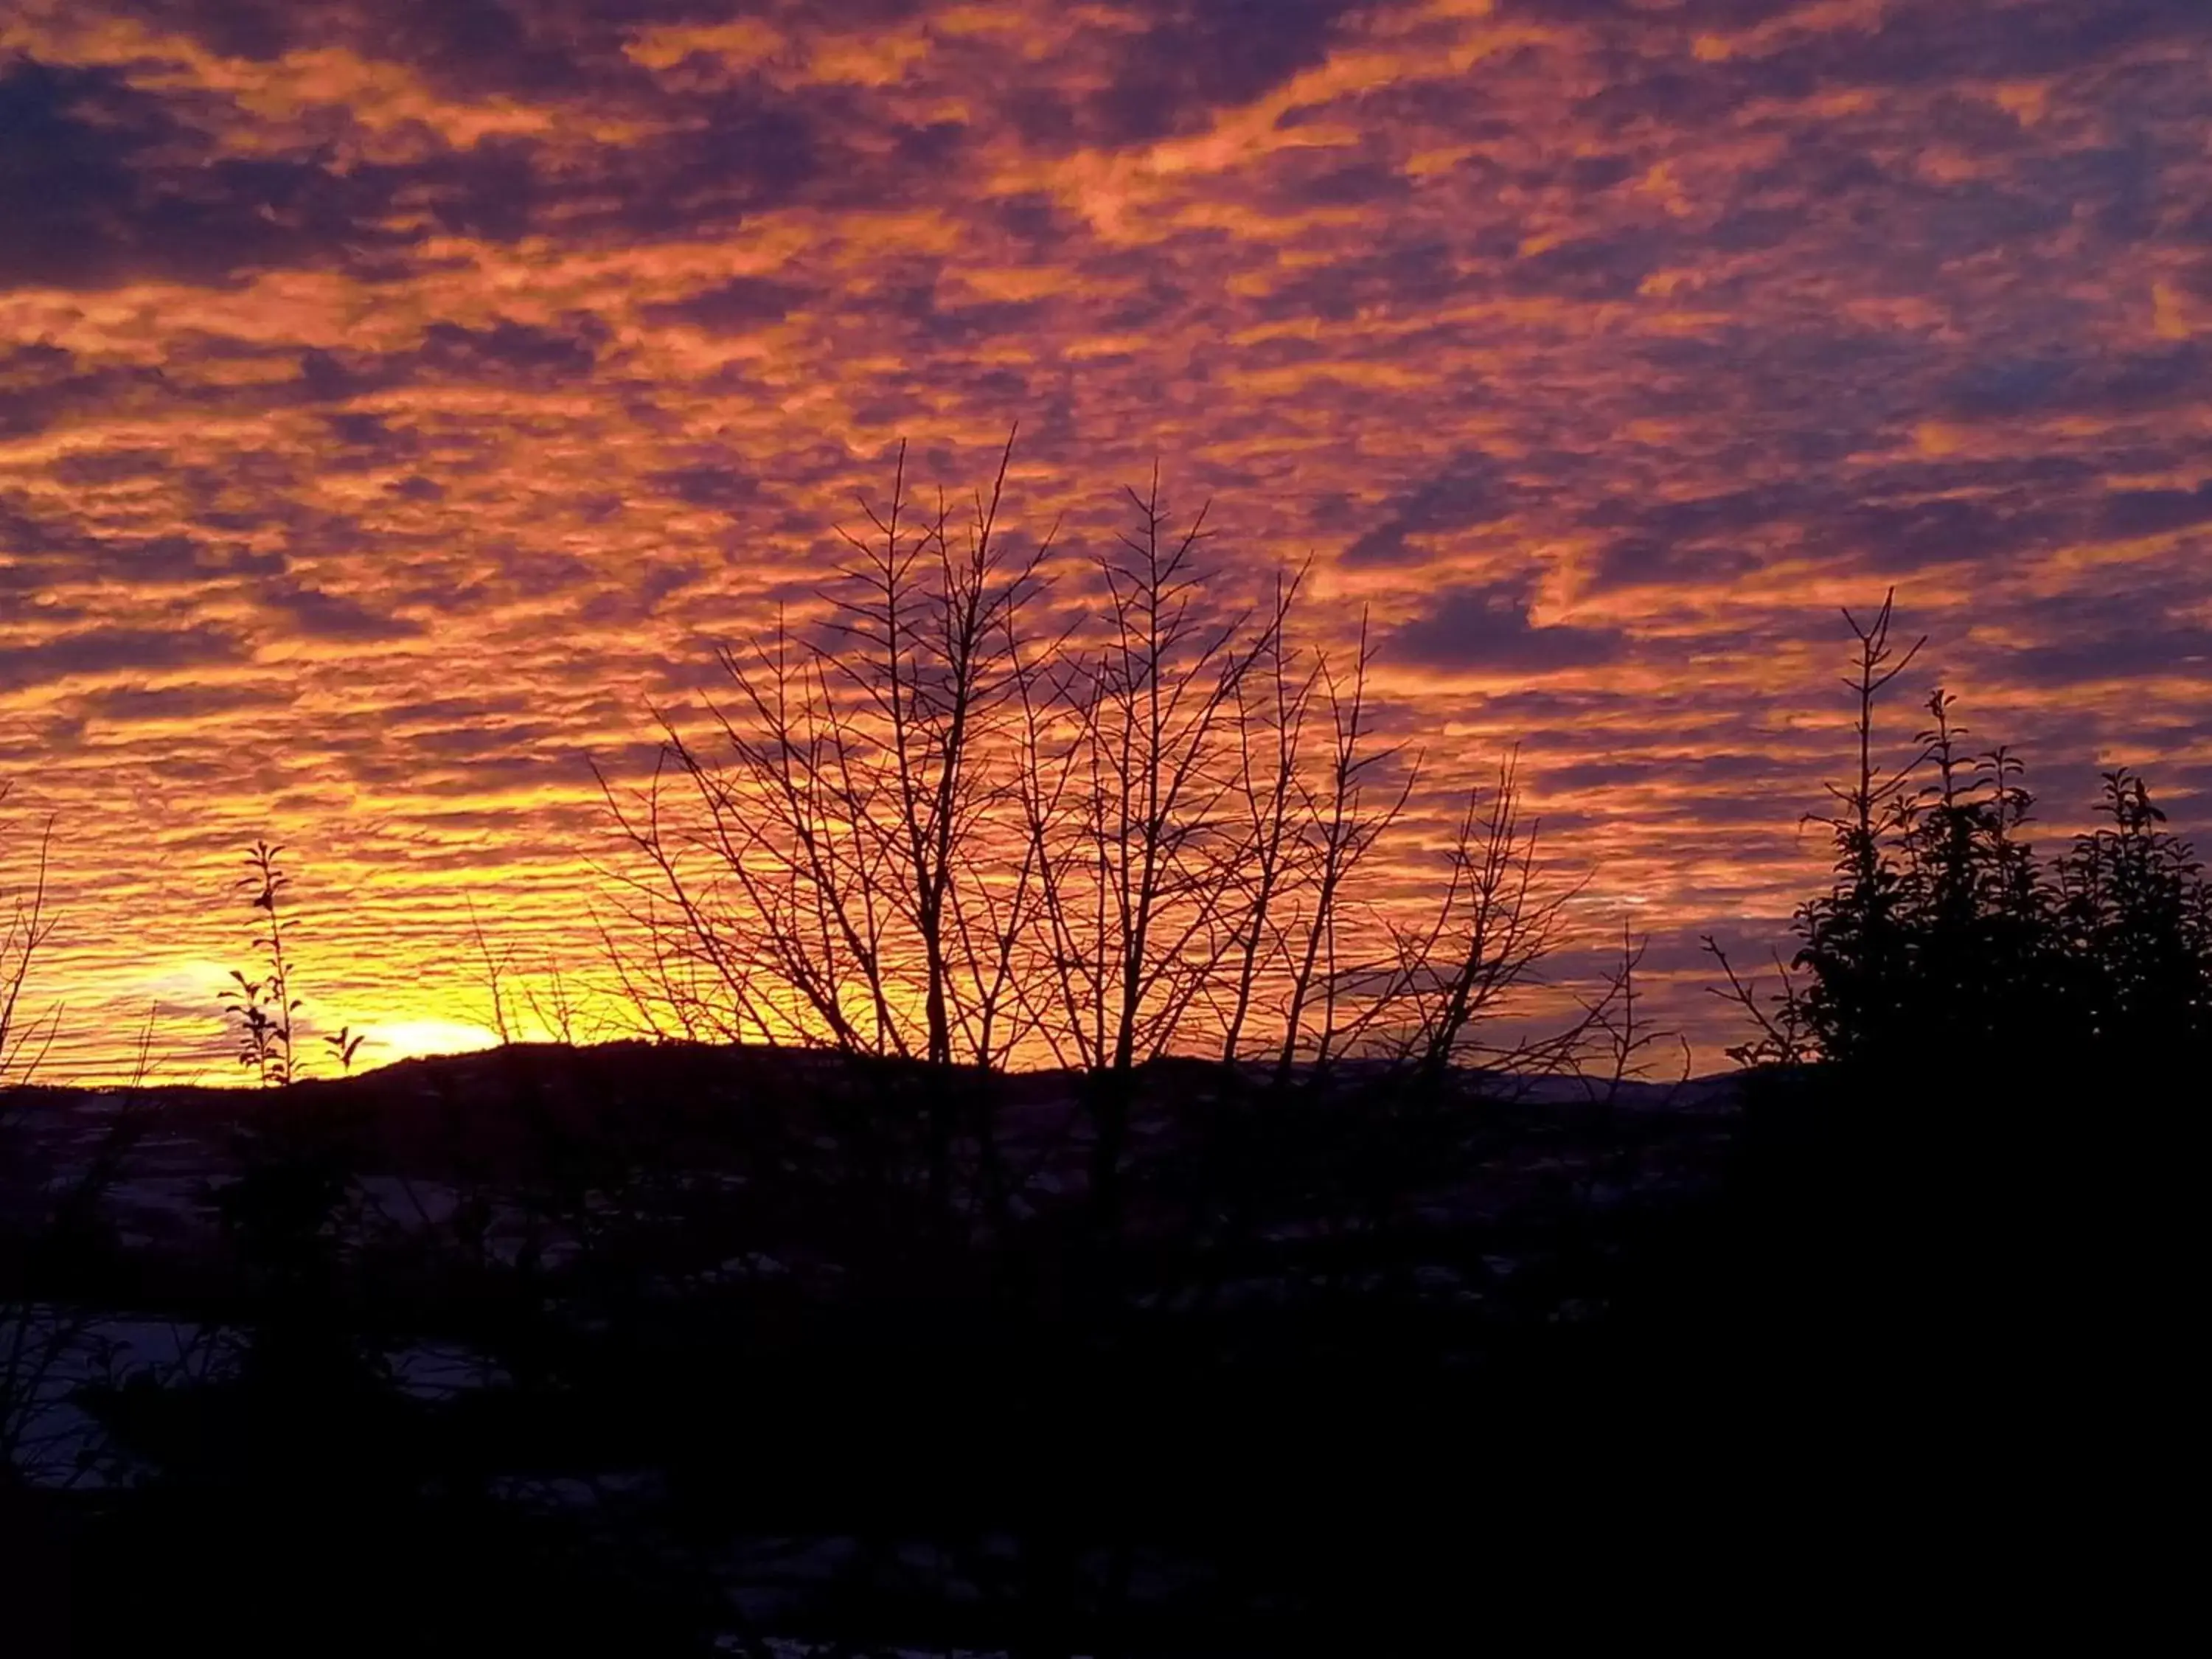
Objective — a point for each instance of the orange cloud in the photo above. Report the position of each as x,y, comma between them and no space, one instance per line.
395,401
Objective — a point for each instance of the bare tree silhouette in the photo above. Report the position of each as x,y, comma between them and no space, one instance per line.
1007,803
25,931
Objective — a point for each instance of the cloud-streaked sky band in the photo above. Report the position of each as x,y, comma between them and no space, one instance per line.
396,398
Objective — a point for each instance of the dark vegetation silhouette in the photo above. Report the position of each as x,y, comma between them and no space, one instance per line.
1946,945
1066,1194
1001,806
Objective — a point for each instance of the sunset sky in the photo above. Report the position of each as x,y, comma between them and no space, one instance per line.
399,396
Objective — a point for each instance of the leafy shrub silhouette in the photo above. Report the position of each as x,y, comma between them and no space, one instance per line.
263,1011
2133,919
1944,943
263,1007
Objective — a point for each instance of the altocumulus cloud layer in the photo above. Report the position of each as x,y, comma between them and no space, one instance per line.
395,396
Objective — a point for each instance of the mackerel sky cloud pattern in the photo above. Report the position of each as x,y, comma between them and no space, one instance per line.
397,396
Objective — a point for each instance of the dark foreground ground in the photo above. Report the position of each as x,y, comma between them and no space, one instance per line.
640,1351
